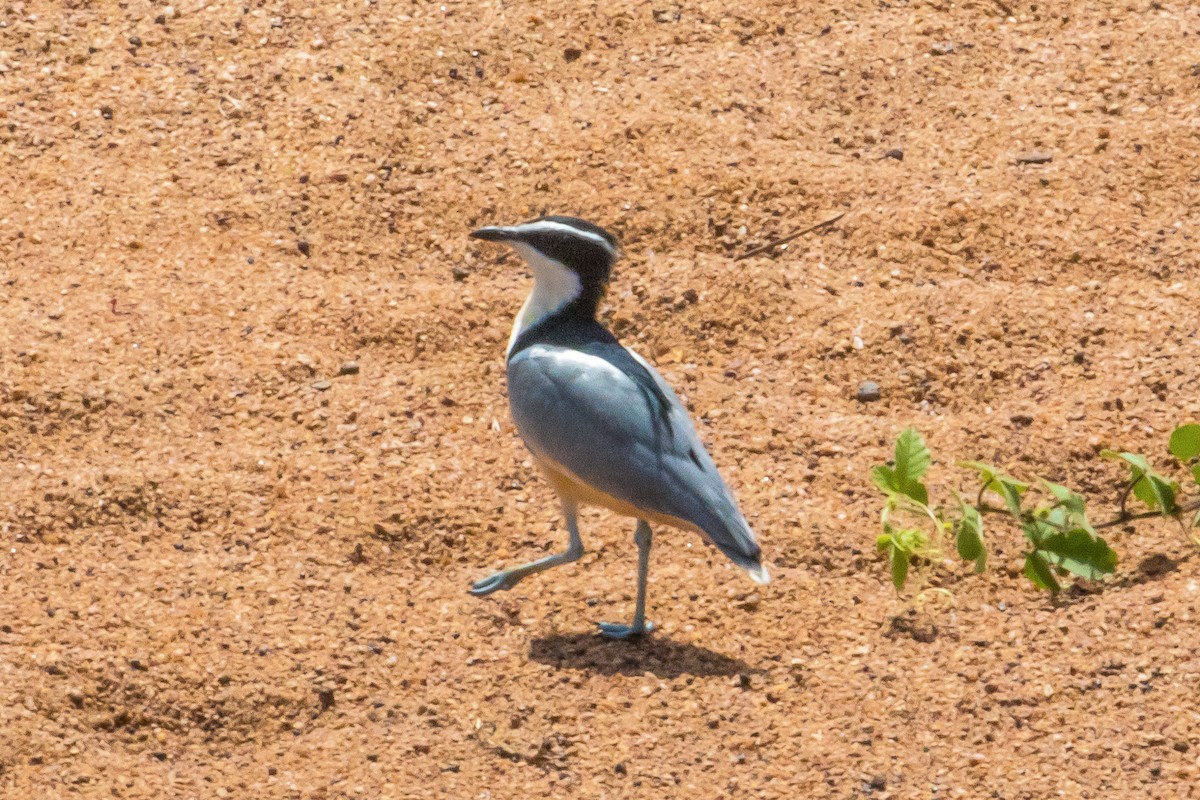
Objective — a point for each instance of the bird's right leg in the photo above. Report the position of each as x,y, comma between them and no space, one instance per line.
507,579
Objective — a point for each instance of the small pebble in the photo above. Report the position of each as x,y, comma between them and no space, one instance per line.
322,386
572,54
895,153
868,392
459,274
942,48
303,247
1035,157
349,368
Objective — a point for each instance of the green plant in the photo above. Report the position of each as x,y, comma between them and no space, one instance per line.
1060,539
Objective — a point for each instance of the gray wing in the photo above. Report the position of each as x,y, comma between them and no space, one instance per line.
582,409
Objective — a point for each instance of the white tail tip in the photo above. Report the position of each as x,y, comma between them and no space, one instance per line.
759,575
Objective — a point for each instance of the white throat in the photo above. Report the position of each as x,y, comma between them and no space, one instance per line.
554,286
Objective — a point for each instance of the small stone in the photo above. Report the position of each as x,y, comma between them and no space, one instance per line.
325,697
877,783
160,755
895,153
136,41
868,392
572,54
942,48
349,368
750,602
322,386
1035,157
106,112
459,274
1021,420
303,247
691,296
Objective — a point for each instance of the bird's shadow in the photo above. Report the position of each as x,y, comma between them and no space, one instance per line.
654,654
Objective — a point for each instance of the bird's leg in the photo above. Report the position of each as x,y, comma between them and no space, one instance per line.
644,536
507,579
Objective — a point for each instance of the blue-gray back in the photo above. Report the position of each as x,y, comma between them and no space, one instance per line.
609,418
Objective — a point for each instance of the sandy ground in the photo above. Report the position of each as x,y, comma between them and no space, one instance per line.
231,570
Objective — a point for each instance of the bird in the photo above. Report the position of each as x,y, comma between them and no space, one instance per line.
603,426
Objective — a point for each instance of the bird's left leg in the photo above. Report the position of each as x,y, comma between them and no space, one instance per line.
644,536
509,578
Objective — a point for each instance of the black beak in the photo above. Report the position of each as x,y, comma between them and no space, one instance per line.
493,234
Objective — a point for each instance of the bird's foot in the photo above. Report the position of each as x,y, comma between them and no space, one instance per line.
614,630
494,583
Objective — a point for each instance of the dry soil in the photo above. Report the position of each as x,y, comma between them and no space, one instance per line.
234,564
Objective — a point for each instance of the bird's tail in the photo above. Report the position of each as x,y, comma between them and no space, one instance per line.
730,532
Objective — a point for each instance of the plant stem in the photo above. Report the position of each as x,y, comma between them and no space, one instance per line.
1127,517
1120,519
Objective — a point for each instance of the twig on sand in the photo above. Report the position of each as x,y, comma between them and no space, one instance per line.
769,245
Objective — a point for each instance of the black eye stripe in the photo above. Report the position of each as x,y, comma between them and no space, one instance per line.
567,249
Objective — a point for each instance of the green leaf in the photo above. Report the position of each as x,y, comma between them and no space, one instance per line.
1080,553
912,462
1070,509
1133,459
986,471
1011,491
994,480
1157,492
899,568
1151,488
969,539
1196,473
1066,498
1039,572
884,477
1185,442
1036,531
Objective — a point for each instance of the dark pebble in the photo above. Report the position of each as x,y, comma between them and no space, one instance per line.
349,368
895,153
303,247
868,392
572,54
459,274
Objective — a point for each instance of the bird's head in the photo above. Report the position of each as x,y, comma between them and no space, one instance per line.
571,259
